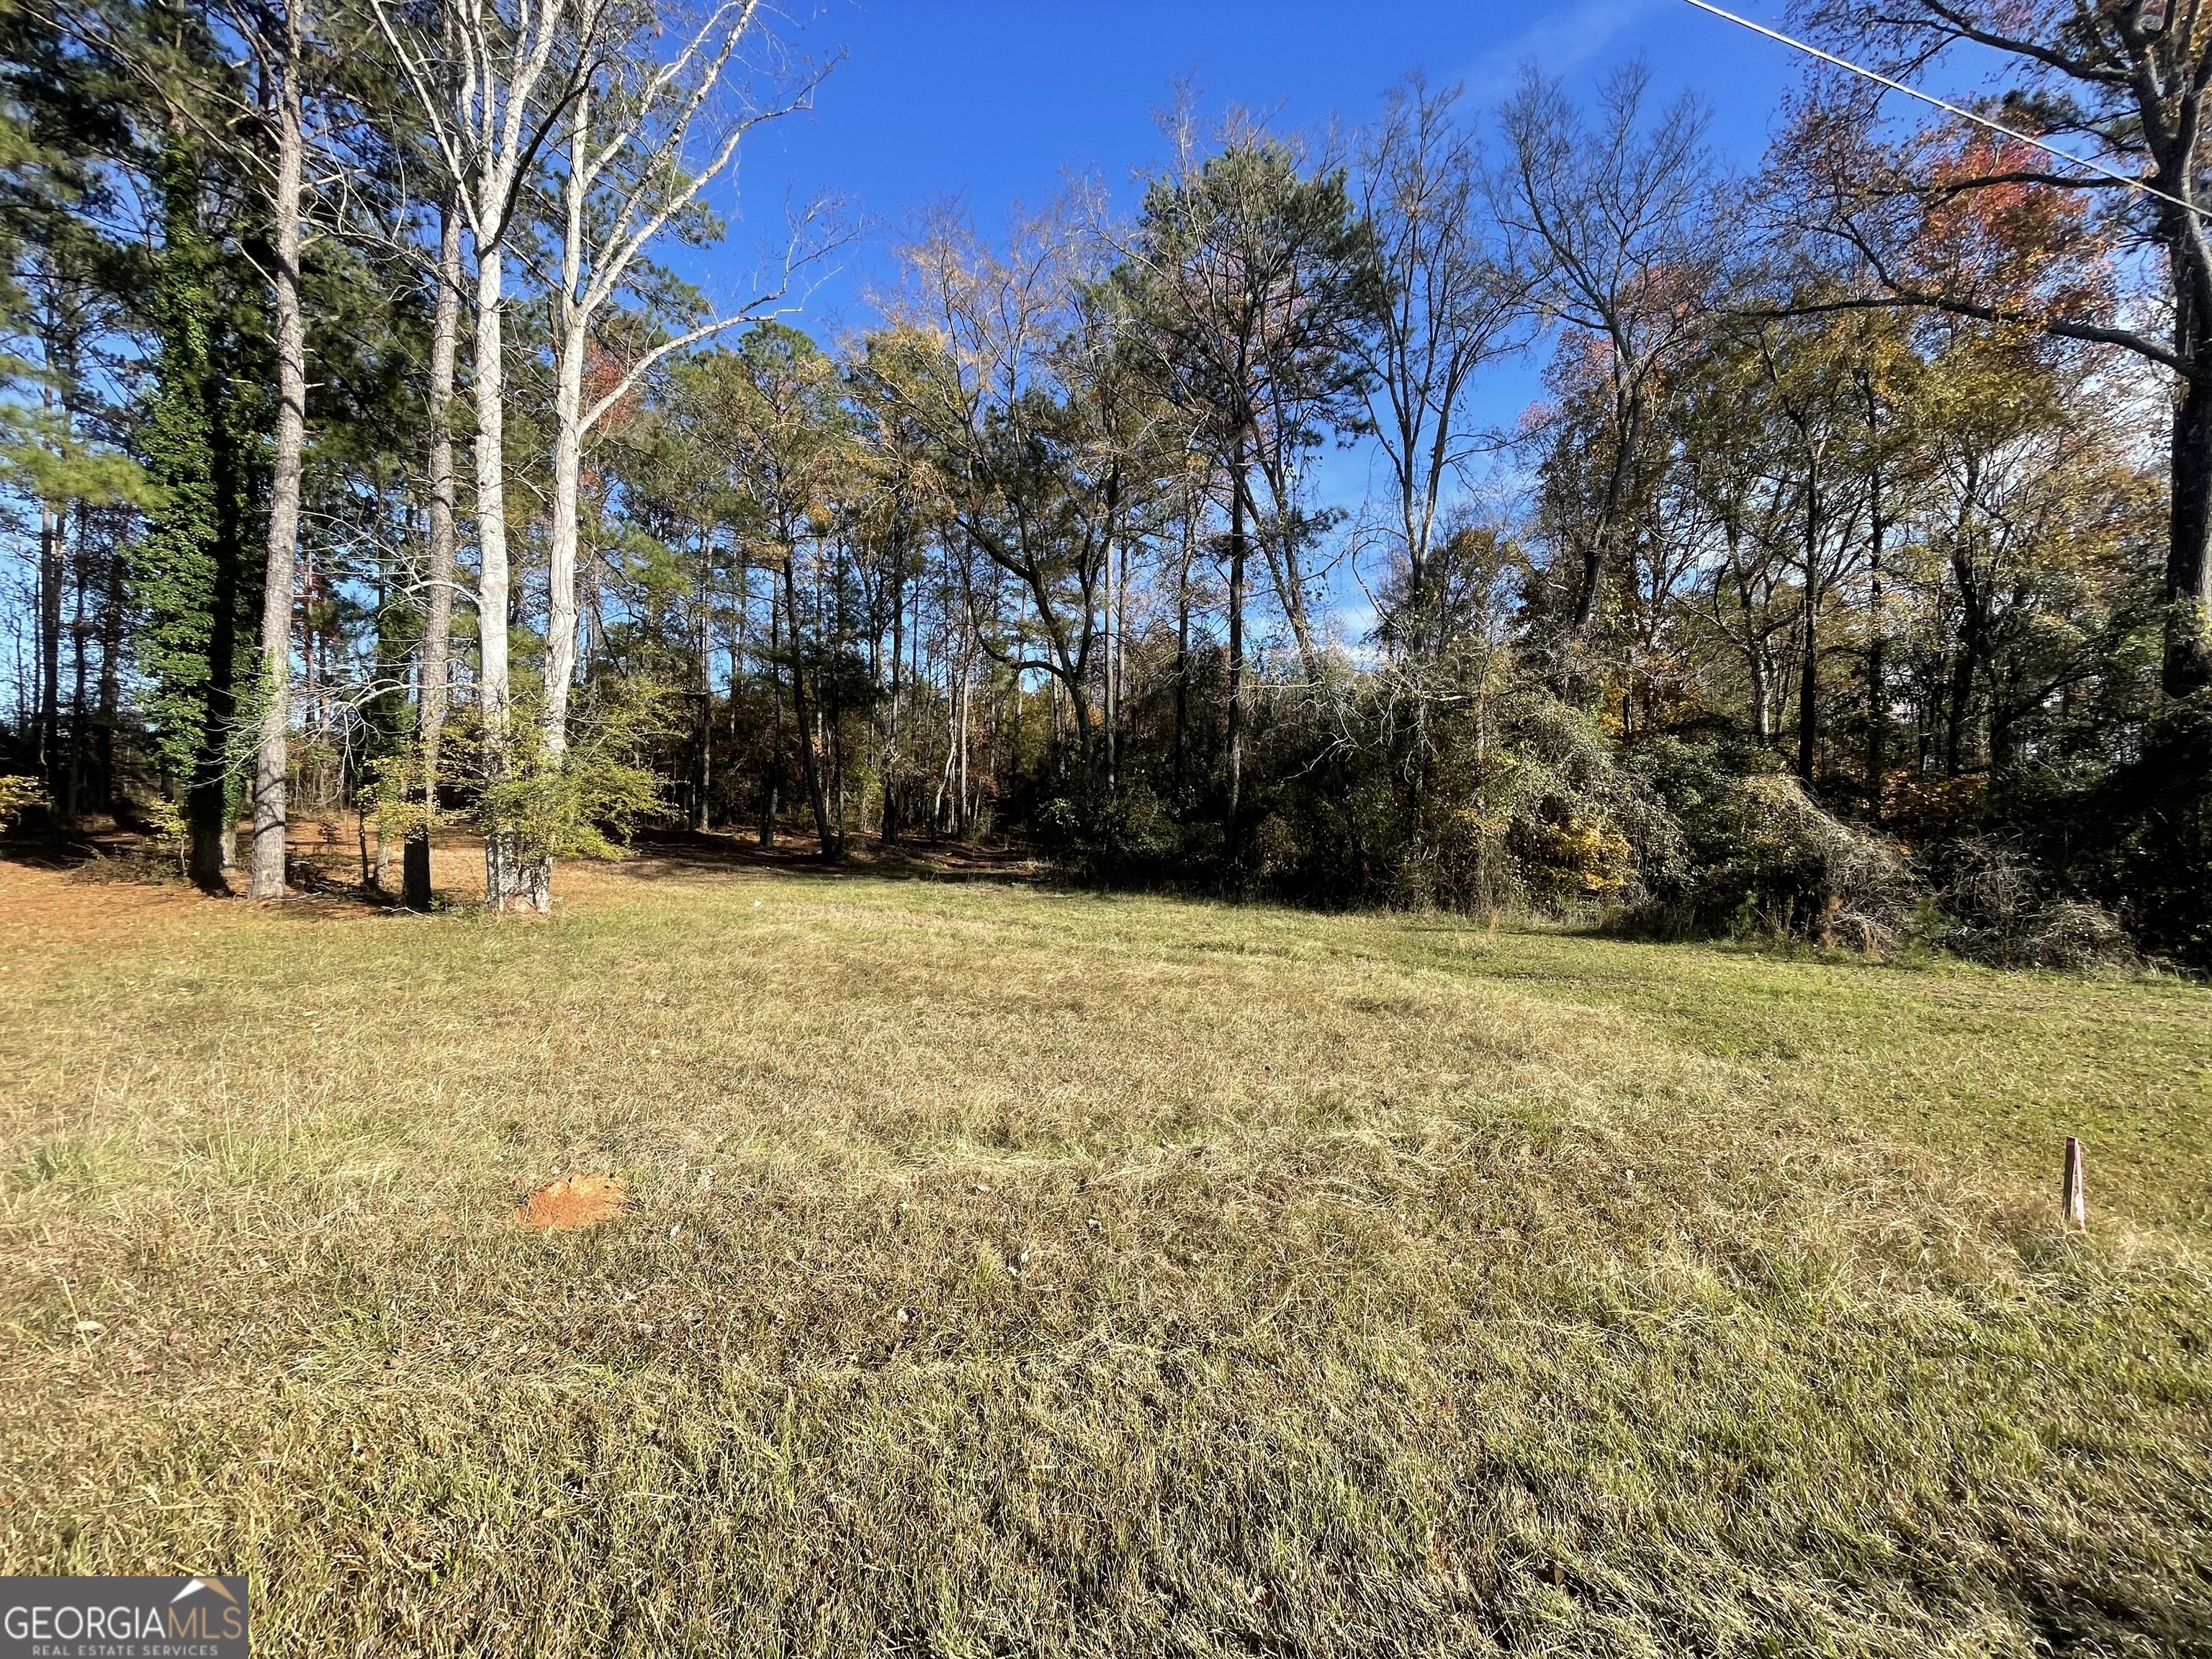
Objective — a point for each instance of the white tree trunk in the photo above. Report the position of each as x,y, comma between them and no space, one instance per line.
266,880
562,544
502,871
573,325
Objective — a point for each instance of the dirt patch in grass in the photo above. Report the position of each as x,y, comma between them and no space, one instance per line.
47,911
113,886
574,1203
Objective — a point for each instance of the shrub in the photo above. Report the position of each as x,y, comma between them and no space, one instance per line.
1760,854
1482,802
1998,908
1128,835
581,804
18,795
2144,846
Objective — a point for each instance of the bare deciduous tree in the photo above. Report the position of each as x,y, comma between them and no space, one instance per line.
491,85
1603,222
1449,307
999,365
646,132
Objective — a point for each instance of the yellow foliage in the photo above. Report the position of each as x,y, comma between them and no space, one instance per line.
1583,855
17,796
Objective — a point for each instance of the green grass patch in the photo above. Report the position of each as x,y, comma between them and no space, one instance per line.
1011,1270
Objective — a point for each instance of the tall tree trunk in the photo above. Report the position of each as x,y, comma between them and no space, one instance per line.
912,735
1808,697
52,571
1117,581
560,542
889,827
111,678
829,713
436,674
1113,663
772,787
502,853
2188,657
1964,666
939,821
537,876
314,718
1809,681
73,777
962,813
1629,426
267,878
701,817
1877,753
1183,653
1110,721
572,333
1414,523
1762,698
381,713
738,639
809,762
1232,825
212,804
1877,679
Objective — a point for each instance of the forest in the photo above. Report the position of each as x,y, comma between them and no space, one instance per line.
398,434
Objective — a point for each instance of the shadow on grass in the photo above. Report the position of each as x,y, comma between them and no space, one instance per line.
325,875
327,887
664,853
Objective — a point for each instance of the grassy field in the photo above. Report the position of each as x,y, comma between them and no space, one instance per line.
1013,1270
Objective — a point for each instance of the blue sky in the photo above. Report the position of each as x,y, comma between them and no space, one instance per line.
992,100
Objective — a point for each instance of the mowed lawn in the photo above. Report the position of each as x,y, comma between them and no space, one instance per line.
1018,1271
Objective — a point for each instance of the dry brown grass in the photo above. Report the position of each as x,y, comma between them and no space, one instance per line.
1008,1270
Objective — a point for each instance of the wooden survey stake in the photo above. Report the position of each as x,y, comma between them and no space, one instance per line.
2073,1202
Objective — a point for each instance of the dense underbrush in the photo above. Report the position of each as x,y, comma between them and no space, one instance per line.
1508,799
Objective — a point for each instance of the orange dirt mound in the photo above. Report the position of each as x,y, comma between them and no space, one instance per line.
576,1200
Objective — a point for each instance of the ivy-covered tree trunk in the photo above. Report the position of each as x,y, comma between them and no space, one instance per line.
2188,661
188,574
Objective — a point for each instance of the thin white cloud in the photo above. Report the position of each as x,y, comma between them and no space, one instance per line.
1563,37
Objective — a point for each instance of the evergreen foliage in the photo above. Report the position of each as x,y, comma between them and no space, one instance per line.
191,568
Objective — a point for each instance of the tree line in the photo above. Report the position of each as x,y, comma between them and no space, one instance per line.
373,450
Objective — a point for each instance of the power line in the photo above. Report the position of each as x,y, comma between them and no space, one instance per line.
2129,179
